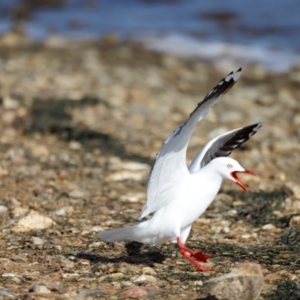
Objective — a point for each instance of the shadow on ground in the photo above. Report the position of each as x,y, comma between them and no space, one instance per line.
53,117
135,255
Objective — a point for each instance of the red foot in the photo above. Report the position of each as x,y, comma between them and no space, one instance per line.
192,256
200,256
194,262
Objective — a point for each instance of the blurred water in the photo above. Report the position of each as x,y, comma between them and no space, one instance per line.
266,32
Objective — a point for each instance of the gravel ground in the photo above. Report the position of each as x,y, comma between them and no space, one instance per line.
81,123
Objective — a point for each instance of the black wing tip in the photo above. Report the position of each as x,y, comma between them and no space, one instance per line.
221,88
233,76
255,126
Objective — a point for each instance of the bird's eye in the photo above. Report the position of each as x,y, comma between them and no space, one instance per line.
229,166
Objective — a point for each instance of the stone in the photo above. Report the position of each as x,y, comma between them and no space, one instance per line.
144,278
37,241
76,194
40,289
3,209
268,227
33,221
140,292
74,145
124,175
149,271
244,282
39,151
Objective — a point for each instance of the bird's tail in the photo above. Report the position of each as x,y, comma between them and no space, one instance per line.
119,234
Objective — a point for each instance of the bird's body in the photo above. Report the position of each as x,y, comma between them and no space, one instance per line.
178,195
176,218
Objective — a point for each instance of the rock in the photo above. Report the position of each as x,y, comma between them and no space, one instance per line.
61,212
137,292
140,292
70,275
76,194
268,227
144,278
133,197
3,172
16,280
6,293
39,151
123,175
74,145
3,209
8,275
126,170
64,211
19,211
10,103
13,277
40,289
117,275
245,282
37,241
19,258
66,263
134,166
149,271
33,221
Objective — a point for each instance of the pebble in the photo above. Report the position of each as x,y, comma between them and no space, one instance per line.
3,209
268,227
135,166
33,221
133,197
74,145
39,151
6,293
64,211
149,271
70,275
40,289
117,275
3,172
140,292
144,278
124,175
8,275
16,280
66,263
76,194
37,241
244,282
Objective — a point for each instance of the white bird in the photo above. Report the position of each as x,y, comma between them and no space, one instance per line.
178,195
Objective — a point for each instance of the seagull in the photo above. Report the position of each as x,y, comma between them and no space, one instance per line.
178,195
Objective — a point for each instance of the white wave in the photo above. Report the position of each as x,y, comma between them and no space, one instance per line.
185,46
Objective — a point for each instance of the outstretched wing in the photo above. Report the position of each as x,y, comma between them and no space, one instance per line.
170,166
223,145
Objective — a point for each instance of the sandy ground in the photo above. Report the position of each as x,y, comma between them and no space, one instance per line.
81,123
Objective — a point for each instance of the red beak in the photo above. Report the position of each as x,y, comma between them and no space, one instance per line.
238,181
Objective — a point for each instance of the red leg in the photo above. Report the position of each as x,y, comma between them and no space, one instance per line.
188,256
200,256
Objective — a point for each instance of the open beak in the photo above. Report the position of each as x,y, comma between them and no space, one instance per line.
237,180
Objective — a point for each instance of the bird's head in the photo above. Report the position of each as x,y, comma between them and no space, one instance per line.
228,168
